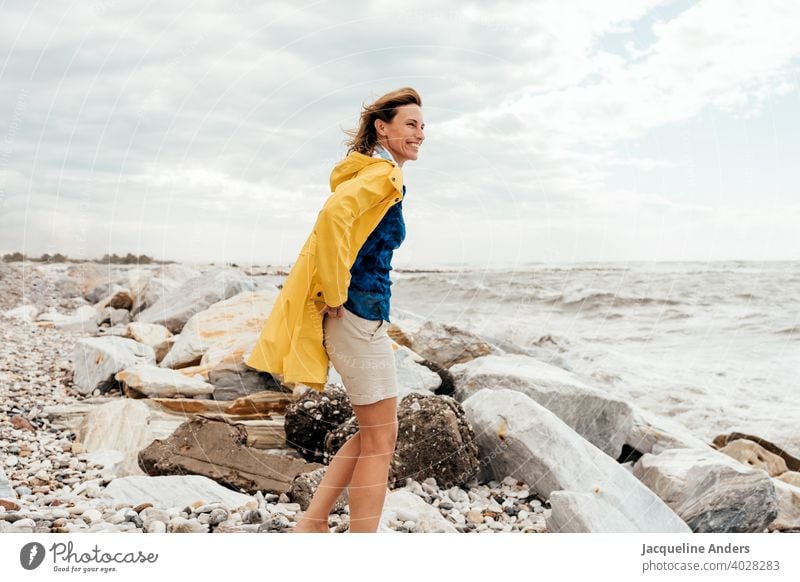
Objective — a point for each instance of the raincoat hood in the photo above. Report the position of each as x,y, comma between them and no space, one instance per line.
350,166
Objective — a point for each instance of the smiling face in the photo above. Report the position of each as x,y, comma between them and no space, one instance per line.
404,135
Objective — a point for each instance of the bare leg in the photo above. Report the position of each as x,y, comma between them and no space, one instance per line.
377,425
337,477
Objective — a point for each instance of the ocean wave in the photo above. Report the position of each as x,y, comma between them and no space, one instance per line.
594,299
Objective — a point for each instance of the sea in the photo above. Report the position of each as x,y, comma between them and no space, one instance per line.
712,345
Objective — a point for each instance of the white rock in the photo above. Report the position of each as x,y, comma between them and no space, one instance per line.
171,491
85,319
92,515
156,336
151,285
788,506
175,308
447,345
519,437
244,313
711,491
412,376
122,425
98,359
156,527
156,382
111,459
23,313
428,519
601,419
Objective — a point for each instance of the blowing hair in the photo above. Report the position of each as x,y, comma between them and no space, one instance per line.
365,138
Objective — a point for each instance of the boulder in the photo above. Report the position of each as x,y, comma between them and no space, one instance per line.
219,451
520,438
405,505
81,279
110,459
447,345
425,419
176,307
603,420
750,453
120,425
119,298
412,375
23,313
150,286
85,319
155,382
305,485
98,359
710,491
173,491
792,462
652,433
788,518
114,317
150,334
243,314
312,416
790,477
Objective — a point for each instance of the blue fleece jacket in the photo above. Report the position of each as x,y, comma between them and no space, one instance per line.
370,291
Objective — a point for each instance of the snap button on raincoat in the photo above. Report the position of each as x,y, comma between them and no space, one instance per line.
291,342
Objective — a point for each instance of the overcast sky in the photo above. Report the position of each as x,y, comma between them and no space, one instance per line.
556,130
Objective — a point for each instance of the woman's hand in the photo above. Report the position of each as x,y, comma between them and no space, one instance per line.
336,312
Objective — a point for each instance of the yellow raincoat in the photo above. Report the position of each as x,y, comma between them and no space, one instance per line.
291,341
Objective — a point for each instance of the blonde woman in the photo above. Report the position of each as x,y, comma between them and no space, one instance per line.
334,305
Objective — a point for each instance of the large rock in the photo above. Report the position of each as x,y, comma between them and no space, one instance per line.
406,506
81,279
305,485
219,451
98,359
652,433
85,319
153,335
173,491
412,375
601,419
155,382
310,418
751,453
790,477
243,314
176,307
447,345
788,518
423,420
792,462
710,491
119,298
23,313
520,438
150,286
120,425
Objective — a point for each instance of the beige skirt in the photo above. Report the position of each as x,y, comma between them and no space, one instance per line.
361,352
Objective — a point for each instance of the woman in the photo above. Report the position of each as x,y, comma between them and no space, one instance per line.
334,305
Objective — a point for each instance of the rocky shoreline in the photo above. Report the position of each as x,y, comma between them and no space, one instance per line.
104,370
